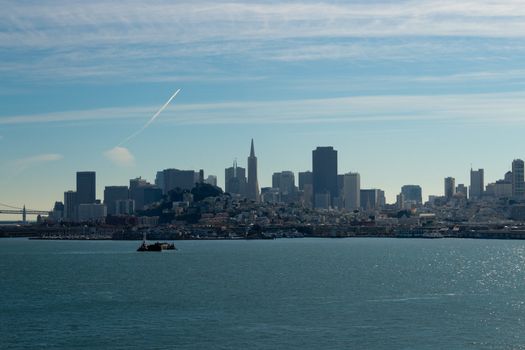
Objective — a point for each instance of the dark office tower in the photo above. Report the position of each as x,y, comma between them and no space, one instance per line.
252,189
450,187
324,169
70,205
518,184
305,178
477,183
112,194
276,180
86,187
201,176
412,193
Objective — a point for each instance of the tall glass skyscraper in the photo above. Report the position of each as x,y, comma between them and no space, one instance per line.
324,169
86,187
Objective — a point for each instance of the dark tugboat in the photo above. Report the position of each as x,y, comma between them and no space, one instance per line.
155,247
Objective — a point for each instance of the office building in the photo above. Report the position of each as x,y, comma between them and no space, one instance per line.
370,198
94,212
324,174
86,187
235,180
518,180
477,184
352,191
305,178
112,194
170,179
412,194
450,187
70,206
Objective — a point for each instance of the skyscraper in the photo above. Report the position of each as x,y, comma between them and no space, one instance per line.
305,178
112,194
252,190
86,187
352,191
450,187
518,181
477,183
70,205
324,169
235,180
412,193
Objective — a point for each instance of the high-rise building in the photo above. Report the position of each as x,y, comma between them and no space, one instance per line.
276,180
112,194
518,180
252,187
305,178
477,183
86,187
450,187
412,194
143,193
370,198
462,189
235,180
284,181
352,191
70,205
170,179
324,174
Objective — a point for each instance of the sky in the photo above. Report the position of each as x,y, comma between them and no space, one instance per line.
407,92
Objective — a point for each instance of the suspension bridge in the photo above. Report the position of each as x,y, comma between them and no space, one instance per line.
12,210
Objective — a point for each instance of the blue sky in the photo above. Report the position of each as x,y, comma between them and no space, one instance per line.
408,92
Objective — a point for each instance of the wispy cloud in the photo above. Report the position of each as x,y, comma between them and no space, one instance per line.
22,164
120,156
465,108
165,40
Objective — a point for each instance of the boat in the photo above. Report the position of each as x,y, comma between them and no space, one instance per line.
155,247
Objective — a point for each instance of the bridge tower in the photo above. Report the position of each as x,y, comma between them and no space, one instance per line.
24,215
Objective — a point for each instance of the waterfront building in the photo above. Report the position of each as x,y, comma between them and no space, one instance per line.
412,194
450,187
112,194
324,174
86,187
518,180
70,205
252,187
352,191
305,178
477,184
235,180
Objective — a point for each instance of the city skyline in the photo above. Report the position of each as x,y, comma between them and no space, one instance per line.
408,93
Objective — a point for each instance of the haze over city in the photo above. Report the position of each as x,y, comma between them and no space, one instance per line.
406,92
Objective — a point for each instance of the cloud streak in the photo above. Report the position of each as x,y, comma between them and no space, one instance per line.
22,164
460,108
89,40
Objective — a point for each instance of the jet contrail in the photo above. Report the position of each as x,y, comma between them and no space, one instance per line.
149,121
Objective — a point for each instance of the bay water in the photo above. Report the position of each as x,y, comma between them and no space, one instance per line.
357,293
